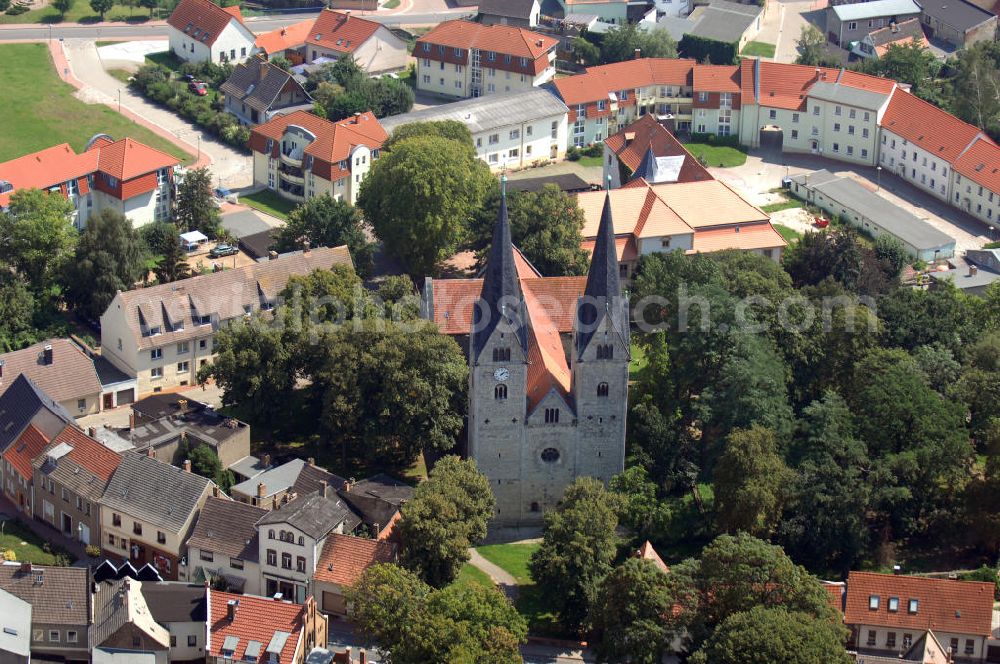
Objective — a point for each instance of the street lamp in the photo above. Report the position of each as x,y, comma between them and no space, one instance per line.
878,178
119,100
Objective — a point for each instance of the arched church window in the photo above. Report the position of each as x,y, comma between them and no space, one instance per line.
550,455
602,389
501,354
552,416
500,392
605,352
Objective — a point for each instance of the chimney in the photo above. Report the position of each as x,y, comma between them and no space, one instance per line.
187,465
274,502
357,117
261,489
347,15
324,489
973,270
92,432
150,452
231,607
271,255
282,31
819,73
312,461
305,246
215,490
362,657
265,460
182,403
347,485
25,568
47,354
638,53
131,420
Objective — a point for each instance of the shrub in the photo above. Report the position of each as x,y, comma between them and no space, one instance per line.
17,10
93,551
9,555
573,153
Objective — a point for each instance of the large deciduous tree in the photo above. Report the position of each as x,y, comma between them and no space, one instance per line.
326,222
621,42
109,258
750,482
577,550
194,208
419,198
37,237
102,6
450,129
447,515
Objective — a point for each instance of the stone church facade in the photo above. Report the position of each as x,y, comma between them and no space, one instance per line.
546,405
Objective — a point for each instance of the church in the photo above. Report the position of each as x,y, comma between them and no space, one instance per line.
548,371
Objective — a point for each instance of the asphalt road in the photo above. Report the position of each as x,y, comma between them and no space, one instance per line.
139,31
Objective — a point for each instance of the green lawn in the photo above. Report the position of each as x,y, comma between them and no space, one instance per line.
165,59
473,576
269,202
40,111
761,49
511,557
27,546
80,12
717,155
122,75
790,234
392,4
638,362
531,602
591,161
787,204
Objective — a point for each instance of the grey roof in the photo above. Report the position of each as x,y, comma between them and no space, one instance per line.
893,219
569,182
509,8
157,406
314,515
847,95
487,113
278,479
19,404
724,21
58,595
253,649
175,602
199,426
602,280
963,280
257,84
377,499
230,642
257,245
956,13
108,373
904,30
110,609
875,9
15,621
987,258
311,478
154,492
227,527
319,656
248,466
676,26
501,296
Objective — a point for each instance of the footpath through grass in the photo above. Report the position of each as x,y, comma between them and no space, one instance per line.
27,546
531,602
269,202
721,156
39,110
80,12
759,49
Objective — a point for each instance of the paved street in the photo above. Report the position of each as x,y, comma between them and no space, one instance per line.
783,25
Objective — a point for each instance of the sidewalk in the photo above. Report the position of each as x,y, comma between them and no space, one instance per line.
500,576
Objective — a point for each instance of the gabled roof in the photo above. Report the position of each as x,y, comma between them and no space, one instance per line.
313,514
505,39
227,527
902,34
78,462
23,451
376,499
760,235
71,375
19,404
930,128
119,603
716,78
334,140
489,112
58,595
47,168
647,552
957,13
257,620
155,492
548,369
943,605
341,32
203,20
258,83
510,8
848,95
176,602
127,158
311,478
874,9
275,480
632,143
981,163
598,82
345,558
289,36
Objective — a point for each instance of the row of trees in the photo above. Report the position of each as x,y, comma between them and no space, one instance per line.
620,44
342,88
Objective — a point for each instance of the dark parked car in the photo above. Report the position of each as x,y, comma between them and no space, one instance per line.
220,250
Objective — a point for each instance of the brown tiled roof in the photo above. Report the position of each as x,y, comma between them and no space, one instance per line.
86,469
636,210
598,81
647,552
227,527
631,143
956,607
927,126
548,369
23,451
222,295
257,619
202,20
127,158
902,33
505,39
717,78
981,164
746,236
708,203
58,595
338,31
334,140
70,376
289,36
345,558
835,595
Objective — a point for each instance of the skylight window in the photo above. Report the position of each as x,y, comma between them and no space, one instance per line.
893,604
914,604
873,602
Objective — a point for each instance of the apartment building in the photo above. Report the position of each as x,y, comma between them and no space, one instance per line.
462,59
717,101
510,131
162,335
301,155
202,31
122,175
846,24
372,45
606,98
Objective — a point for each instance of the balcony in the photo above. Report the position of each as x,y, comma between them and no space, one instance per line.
292,192
292,175
291,160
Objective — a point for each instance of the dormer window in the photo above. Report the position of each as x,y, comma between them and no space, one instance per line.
873,602
914,605
893,604
154,330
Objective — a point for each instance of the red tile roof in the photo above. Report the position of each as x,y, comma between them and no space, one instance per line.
927,126
835,595
747,237
24,449
548,369
202,20
128,158
957,607
981,164
257,619
88,453
647,552
598,81
631,143
334,140
340,32
290,36
717,78
517,42
345,558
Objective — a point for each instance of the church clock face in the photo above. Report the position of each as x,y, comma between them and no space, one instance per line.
501,374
